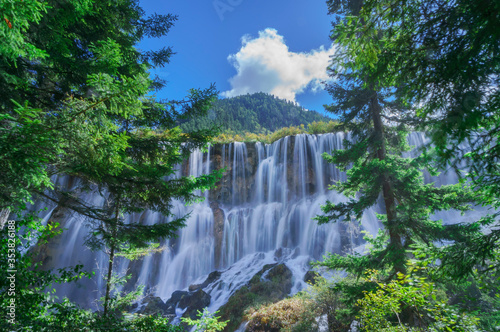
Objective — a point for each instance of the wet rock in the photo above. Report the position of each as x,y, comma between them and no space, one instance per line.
191,301
310,277
176,297
194,302
131,307
154,305
278,253
218,231
212,277
194,287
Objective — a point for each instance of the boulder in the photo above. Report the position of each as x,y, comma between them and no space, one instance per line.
155,305
194,302
191,301
269,285
310,277
212,277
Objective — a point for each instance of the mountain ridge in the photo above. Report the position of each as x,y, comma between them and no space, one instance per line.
255,113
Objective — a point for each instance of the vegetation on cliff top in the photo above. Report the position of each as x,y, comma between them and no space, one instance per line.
316,127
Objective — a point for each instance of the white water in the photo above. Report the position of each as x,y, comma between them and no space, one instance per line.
270,207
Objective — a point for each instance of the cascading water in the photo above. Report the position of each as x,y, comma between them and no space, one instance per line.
265,202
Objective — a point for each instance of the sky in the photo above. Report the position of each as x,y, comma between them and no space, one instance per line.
281,47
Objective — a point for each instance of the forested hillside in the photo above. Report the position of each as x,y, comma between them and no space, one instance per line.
255,113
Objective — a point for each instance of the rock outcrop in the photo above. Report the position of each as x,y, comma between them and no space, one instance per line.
218,231
271,284
212,277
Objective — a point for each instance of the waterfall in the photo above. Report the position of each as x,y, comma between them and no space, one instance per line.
263,204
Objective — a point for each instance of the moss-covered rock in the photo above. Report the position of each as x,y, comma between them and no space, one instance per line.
310,277
269,285
212,277
154,305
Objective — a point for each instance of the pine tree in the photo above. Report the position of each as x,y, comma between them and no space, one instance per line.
444,56
376,167
146,181
80,104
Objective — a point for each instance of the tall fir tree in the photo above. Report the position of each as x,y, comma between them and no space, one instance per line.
444,56
374,162
80,103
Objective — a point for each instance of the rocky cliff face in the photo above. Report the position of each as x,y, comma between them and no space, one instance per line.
242,161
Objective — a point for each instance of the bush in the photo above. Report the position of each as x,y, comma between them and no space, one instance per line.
319,127
280,316
302,312
206,323
410,304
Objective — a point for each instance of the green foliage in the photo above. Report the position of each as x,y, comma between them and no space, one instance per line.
443,58
415,297
316,127
264,138
207,322
258,113
477,294
36,306
300,312
80,103
131,253
326,297
23,284
377,119
17,16
68,317
321,127
154,324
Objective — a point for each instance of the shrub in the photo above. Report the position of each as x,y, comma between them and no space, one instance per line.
280,316
302,312
206,323
319,127
410,304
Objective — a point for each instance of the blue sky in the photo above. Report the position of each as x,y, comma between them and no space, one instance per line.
275,46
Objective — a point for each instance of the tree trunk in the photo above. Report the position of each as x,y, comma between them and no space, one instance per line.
395,242
108,282
111,259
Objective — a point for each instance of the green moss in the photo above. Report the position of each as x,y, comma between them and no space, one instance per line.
274,287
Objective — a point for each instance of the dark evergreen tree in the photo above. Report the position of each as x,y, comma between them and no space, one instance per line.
376,167
444,56
78,104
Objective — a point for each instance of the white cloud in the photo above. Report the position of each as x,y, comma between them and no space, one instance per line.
265,64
